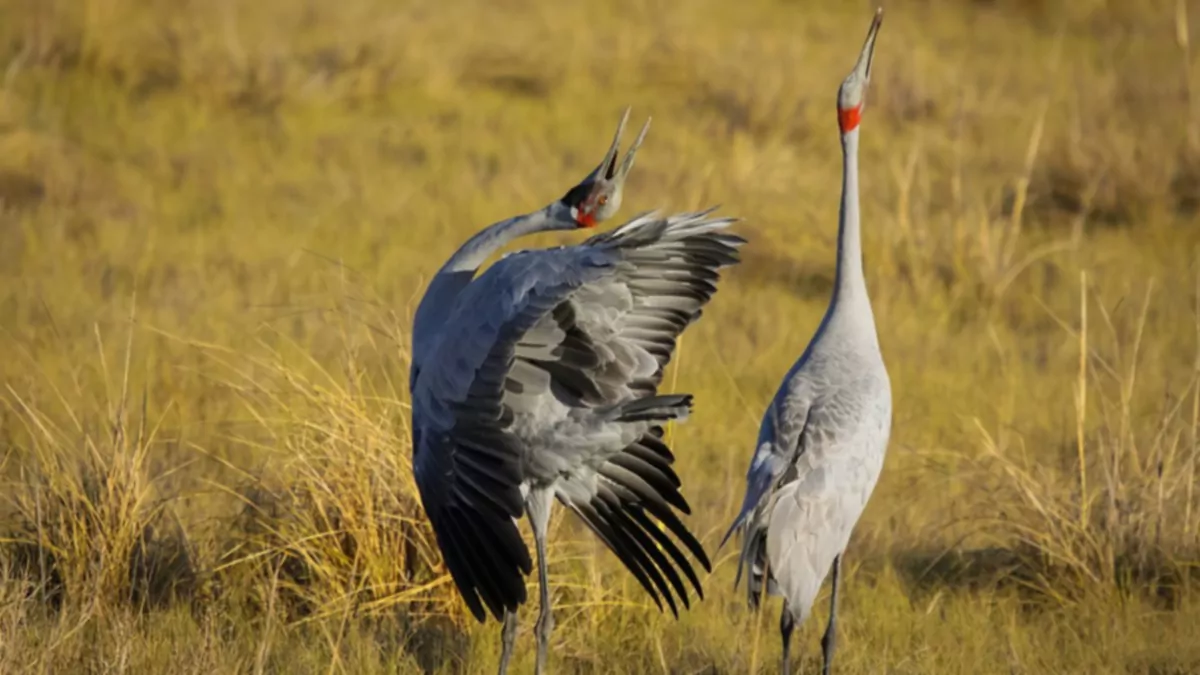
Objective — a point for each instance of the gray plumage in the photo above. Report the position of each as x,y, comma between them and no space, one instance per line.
595,199
541,383
823,437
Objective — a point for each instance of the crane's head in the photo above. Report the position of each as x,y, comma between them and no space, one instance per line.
854,88
598,197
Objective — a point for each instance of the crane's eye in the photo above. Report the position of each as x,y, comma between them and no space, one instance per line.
602,200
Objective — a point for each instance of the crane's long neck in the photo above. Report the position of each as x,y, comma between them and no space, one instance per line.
487,241
850,281
850,306
459,270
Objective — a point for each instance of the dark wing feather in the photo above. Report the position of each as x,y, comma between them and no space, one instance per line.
467,462
631,320
668,272
471,498
630,511
537,324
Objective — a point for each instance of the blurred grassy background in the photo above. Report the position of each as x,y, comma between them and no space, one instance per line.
216,218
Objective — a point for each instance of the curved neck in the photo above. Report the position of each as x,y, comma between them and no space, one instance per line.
458,272
850,285
487,241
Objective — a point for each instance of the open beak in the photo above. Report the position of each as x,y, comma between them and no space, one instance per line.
608,165
607,170
863,68
627,163
607,177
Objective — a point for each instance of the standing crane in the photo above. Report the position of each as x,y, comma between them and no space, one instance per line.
823,438
540,383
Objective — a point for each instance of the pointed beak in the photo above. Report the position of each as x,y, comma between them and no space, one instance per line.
627,163
608,165
608,170
600,192
863,68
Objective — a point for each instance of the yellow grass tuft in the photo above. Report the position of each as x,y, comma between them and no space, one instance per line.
333,514
87,525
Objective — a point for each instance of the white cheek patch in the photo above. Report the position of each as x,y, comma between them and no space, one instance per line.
574,213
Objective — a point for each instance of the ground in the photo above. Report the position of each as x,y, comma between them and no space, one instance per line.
216,219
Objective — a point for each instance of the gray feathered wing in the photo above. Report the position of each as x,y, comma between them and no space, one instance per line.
536,325
633,317
467,461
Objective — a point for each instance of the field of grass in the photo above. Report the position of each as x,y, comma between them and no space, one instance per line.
216,219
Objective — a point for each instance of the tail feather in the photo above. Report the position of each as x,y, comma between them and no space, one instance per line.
754,553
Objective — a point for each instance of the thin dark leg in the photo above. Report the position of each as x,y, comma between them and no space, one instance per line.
509,637
786,623
538,508
829,641
545,622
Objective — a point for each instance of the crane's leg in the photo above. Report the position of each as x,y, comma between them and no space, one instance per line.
509,637
786,623
829,640
537,505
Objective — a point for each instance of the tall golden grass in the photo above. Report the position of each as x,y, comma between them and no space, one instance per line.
215,219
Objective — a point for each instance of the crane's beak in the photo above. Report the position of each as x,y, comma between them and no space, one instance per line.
608,166
608,170
863,68
627,163
598,196
854,88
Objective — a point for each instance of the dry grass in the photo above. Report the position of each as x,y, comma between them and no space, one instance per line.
215,218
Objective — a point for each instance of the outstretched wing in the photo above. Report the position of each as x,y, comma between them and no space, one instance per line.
611,337
668,273
467,462
633,318
628,504
588,326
